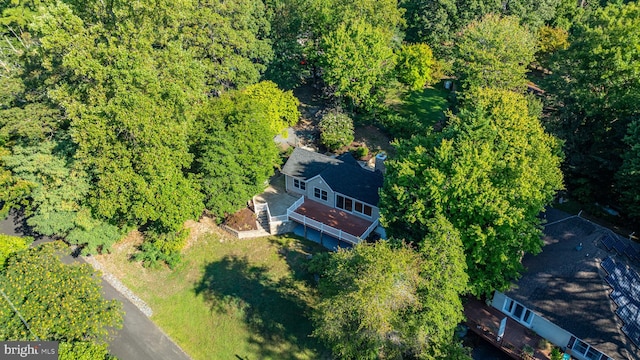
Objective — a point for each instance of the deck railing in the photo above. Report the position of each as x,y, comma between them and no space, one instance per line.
323,228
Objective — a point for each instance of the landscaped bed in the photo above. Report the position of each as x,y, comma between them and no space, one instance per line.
230,299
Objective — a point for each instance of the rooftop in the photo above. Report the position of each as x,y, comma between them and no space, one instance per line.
565,284
343,174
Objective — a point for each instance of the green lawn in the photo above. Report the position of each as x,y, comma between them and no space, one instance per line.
428,104
231,299
418,110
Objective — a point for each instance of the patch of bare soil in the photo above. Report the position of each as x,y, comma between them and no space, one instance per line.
123,249
375,139
206,225
243,220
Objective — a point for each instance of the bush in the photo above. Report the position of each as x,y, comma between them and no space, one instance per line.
336,130
158,248
361,152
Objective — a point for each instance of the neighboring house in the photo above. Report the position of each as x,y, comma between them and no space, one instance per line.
340,197
563,296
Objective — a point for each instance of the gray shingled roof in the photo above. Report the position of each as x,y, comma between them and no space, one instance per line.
566,286
342,174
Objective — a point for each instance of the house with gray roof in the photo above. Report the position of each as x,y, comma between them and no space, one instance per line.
339,197
565,294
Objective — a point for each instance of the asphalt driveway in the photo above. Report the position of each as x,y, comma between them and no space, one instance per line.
139,338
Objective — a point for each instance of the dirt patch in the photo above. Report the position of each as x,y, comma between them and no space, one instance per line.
243,220
206,225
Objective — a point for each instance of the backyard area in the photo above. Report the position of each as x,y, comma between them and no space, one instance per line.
237,299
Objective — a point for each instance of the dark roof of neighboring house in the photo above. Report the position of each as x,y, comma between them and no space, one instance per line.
343,174
566,286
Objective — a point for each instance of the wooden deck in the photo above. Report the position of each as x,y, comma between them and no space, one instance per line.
334,218
485,321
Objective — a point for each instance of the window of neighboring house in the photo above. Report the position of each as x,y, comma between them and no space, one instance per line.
580,347
299,184
320,194
518,311
593,354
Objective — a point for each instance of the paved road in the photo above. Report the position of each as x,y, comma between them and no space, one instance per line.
140,338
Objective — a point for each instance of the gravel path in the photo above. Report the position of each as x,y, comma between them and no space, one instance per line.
118,285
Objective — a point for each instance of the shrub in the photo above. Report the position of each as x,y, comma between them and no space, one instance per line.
336,130
158,247
556,354
361,151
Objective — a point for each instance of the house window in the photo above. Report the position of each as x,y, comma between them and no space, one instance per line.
368,210
320,194
350,205
344,203
593,354
299,184
362,208
580,347
518,311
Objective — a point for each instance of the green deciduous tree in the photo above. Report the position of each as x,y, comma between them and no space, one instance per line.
377,302
336,130
235,151
414,65
281,107
628,177
356,61
494,52
489,172
54,196
59,302
596,86
82,350
10,245
130,105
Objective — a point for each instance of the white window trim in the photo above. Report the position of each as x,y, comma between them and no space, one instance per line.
505,308
321,191
353,206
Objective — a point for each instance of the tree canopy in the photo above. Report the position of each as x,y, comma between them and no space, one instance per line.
59,302
494,52
385,301
489,172
596,95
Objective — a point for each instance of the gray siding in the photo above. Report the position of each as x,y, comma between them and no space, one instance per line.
318,182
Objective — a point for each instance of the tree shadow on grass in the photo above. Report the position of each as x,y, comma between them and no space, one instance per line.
276,316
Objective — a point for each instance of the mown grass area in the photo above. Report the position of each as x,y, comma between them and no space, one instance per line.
428,104
232,299
416,111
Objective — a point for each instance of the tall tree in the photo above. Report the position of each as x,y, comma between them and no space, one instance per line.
130,106
281,107
596,86
628,177
494,52
489,172
235,151
379,301
356,61
415,65
59,302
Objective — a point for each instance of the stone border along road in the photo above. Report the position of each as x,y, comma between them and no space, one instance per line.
118,285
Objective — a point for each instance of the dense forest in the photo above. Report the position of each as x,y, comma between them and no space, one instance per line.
121,115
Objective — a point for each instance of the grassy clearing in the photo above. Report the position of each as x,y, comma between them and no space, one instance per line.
230,298
427,104
415,112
